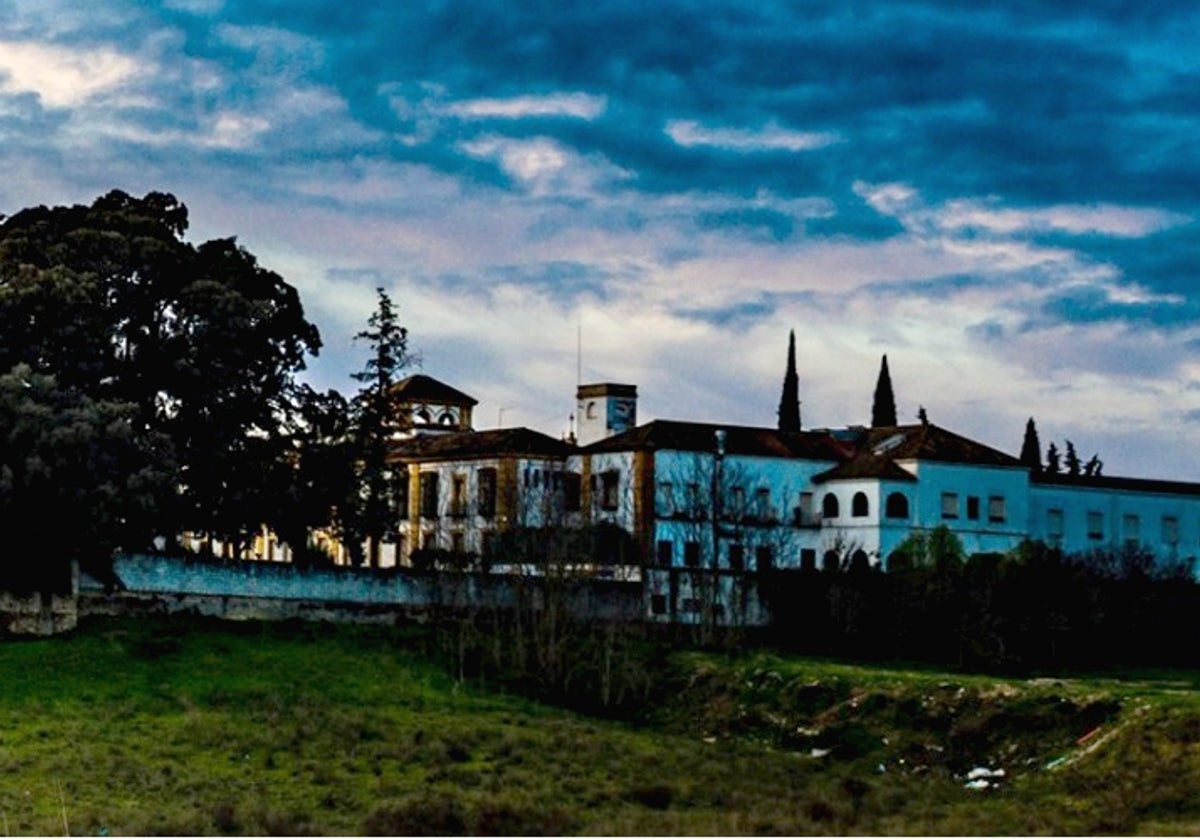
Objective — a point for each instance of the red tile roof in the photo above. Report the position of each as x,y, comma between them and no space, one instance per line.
422,388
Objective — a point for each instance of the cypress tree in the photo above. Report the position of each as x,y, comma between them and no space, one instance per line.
1053,462
1072,460
1031,449
789,400
883,409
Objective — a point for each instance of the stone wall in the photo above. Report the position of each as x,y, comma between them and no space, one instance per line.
274,591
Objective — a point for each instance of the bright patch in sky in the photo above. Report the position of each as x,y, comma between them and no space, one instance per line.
61,77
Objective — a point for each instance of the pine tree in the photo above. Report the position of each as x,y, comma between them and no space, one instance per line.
1053,464
883,409
376,420
1031,449
1072,460
789,401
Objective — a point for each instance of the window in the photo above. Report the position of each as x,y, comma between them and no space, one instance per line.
859,506
666,552
737,557
1095,525
829,506
486,505
949,506
402,495
429,495
762,505
487,543
1131,527
897,506
691,554
1170,531
764,558
973,508
458,495
658,604
429,539
737,503
808,559
695,508
691,605
572,491
1054,527
456,542
610,483
804,513
666,499
997,510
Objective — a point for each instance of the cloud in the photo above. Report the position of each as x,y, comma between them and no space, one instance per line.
688,133
574,105
61,77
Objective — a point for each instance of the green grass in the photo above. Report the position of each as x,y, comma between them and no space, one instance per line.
175,728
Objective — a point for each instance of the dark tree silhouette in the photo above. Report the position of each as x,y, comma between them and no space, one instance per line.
789,400
377,421
883,409
1074,467
203,343
1053,462
1031,448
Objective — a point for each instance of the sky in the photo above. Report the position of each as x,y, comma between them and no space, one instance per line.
1002,197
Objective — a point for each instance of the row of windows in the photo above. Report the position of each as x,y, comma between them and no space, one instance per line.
569,484
735,554
997,508
1131,527
894,507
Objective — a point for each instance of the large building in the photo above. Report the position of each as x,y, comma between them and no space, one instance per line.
710,505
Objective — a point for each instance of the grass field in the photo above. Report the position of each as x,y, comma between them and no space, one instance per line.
159,727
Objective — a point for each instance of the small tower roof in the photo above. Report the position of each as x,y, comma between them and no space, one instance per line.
422,388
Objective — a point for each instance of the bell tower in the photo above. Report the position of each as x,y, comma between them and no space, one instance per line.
603,410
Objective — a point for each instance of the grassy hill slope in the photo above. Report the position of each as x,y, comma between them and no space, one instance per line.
165,727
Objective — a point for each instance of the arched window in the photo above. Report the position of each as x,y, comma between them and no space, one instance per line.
422,415
897,506
859,506
829,506
446,418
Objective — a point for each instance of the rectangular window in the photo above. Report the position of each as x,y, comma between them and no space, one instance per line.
458,496
949,506
695,504
401,485
691,554
666,499
973,508
1170,530
1095,525
456,542
486,489
666,552
487,543
1131,527
1054,527
764,558
762,505
610,483
808,558
737,503
737,557
429,495
658,604
572,492
997,510
804,513
429,539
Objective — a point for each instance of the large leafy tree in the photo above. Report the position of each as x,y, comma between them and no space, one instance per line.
78,466
200,341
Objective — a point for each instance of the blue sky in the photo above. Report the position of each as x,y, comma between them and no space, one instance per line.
1001,197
